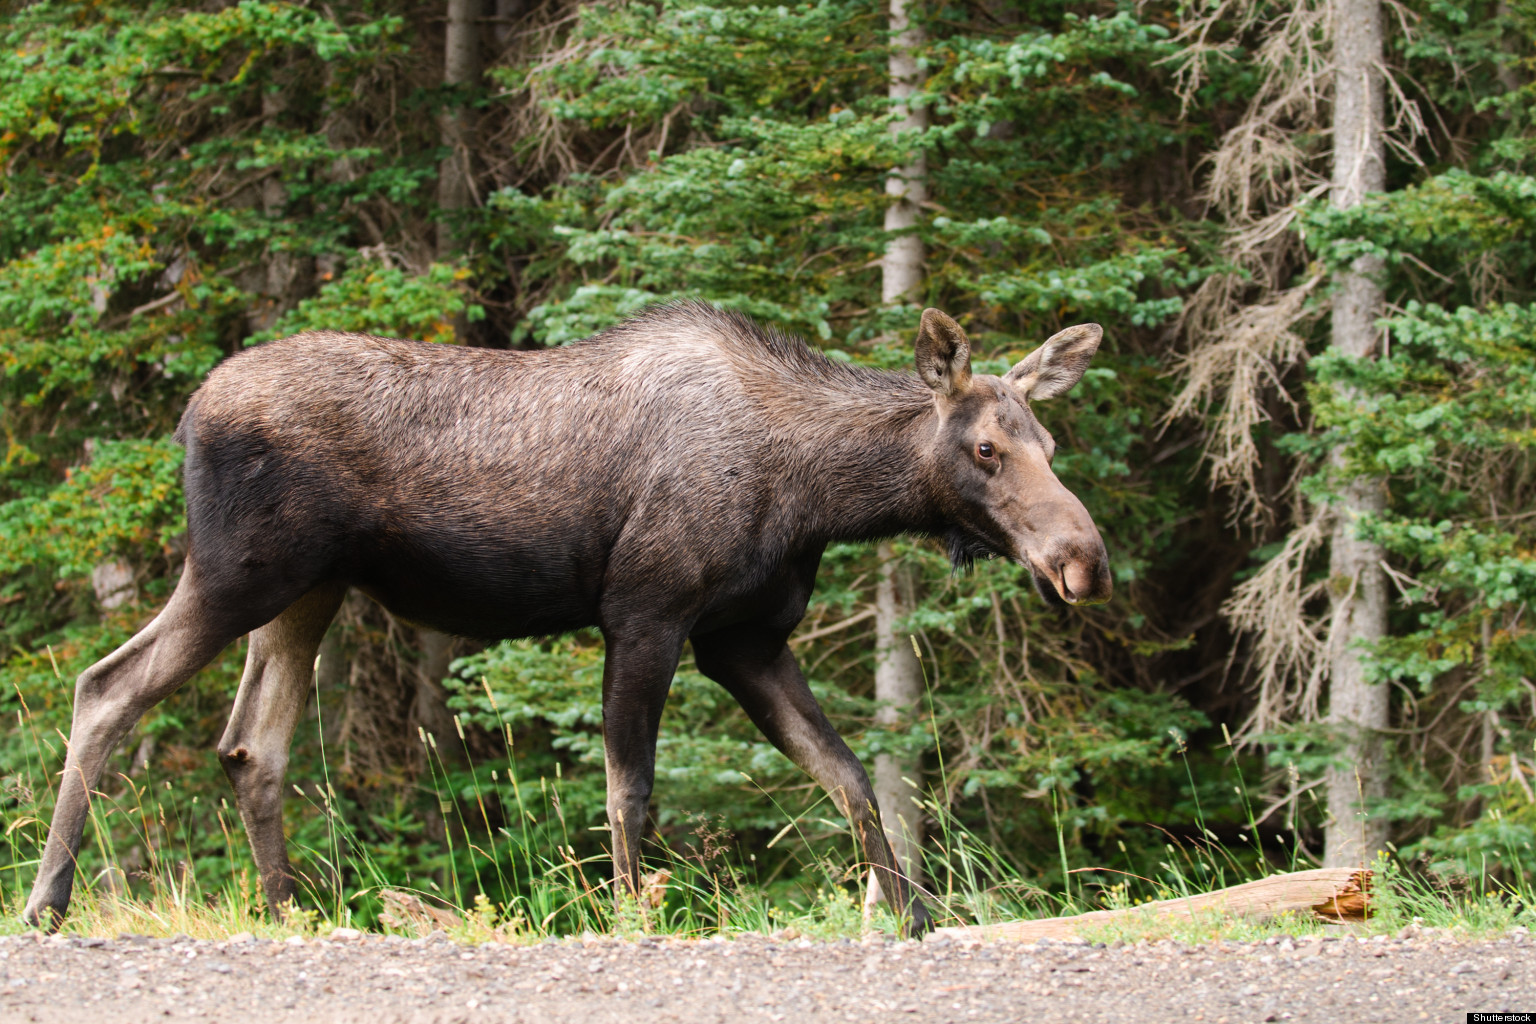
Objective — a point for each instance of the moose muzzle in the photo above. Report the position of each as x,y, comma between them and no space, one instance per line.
1068,559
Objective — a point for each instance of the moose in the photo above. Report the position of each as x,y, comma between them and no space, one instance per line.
672,479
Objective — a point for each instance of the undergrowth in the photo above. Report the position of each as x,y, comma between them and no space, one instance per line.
526,856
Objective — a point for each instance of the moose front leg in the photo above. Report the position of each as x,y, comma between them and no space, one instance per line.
759,670
637,673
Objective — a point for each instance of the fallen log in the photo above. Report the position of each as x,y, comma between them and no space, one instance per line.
1336,895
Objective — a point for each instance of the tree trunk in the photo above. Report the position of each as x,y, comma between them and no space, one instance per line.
898,677
1331,895
430,708
899,688
902,268
1358,710
287,277
114,584
456,124
1508,70
507,13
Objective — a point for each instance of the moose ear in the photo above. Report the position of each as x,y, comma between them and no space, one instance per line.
1054,367
943,354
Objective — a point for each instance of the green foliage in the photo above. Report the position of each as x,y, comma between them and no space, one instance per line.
126,501
380,299
777,206
181,183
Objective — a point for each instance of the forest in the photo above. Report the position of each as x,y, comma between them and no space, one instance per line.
1308,231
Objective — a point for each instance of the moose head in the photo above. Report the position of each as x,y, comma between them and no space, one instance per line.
992,459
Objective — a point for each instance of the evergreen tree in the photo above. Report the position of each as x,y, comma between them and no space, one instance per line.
182,183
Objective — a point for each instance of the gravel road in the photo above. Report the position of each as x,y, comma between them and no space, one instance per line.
374,980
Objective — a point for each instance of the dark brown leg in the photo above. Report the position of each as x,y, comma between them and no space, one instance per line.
279,671
759,670
637,673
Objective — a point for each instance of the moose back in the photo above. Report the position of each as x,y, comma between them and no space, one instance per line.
673,479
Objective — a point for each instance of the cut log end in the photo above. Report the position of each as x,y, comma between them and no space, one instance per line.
1352,903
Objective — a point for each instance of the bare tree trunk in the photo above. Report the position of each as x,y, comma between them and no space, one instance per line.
456,124
507,12
899,688
898,677
113,581
1358,710
430,707
287,276
902,269
114,584
1508,70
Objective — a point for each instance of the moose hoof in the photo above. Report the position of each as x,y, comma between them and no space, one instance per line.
43,914
918,921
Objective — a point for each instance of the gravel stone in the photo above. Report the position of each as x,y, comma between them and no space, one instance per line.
130,980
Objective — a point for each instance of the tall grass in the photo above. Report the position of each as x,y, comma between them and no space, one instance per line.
511,870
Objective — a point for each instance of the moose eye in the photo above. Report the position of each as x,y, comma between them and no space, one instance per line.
984,450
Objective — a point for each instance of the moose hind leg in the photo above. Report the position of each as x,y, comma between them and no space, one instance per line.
758,669
274,691
110,697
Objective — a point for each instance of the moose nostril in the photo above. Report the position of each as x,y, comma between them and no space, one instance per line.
1066,588
1079,581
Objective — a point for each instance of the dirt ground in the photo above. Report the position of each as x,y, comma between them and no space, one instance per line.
375,980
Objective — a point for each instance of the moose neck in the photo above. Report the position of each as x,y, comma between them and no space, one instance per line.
866,458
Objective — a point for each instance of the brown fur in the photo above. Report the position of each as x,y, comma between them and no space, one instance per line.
675,478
